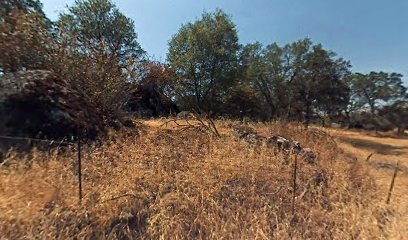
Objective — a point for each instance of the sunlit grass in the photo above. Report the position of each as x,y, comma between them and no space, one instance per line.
164,184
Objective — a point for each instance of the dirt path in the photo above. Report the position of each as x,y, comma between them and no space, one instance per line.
387,151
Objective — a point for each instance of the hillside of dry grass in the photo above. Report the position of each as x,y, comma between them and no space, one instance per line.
170,184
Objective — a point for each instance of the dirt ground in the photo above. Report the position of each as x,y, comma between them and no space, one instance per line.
387,151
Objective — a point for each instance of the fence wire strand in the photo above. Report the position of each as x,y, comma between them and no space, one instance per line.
63,141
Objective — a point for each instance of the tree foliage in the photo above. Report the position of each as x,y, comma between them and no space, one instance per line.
203,54
159,76
98,51
320,80
25,36
297,78
397,114
94,47
375,88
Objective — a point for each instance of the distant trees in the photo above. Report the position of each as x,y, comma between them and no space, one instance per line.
376,88
243,101
319,80
159,76
297,79
376,98
300,81
204,55
397,114
94,47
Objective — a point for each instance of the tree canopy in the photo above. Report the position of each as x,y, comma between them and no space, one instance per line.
204,55
94,47
98,51
297,78
375,88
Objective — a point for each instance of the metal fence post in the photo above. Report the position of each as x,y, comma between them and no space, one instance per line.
392,183
79,168
294,185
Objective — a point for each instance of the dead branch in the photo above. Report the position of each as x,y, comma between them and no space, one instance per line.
197,123
120,196
323,133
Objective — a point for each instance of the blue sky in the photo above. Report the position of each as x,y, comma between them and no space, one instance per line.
372,34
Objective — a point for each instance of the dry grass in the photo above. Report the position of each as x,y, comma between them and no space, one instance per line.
170,185
387,150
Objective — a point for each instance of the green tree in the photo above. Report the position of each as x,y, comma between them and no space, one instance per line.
298,79
320,82
376,88
97,50
204,55
256,74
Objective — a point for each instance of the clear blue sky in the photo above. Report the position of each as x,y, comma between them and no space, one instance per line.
372,34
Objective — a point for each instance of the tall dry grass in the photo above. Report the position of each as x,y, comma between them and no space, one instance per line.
163,184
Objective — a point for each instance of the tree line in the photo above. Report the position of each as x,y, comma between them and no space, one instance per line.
94,46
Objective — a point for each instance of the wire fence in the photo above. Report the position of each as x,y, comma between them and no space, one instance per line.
231,166
51,143
29,140
78,159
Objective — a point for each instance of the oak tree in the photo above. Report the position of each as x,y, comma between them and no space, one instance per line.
204,55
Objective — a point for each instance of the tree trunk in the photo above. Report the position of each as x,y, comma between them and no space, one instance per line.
401,130
348,118
307,116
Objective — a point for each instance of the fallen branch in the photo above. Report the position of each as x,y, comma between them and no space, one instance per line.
120,196
325,134
197,125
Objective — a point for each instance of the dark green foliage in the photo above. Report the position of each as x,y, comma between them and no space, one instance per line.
376,88
99,26
203,54
397,114
40,104
243,102
297,79
9,7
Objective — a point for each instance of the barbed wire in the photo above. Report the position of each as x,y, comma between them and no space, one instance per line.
59,142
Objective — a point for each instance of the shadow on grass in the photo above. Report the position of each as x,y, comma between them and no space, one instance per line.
379,134
387,135
381,148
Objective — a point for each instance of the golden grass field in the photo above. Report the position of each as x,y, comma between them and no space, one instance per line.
163,183
388,150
